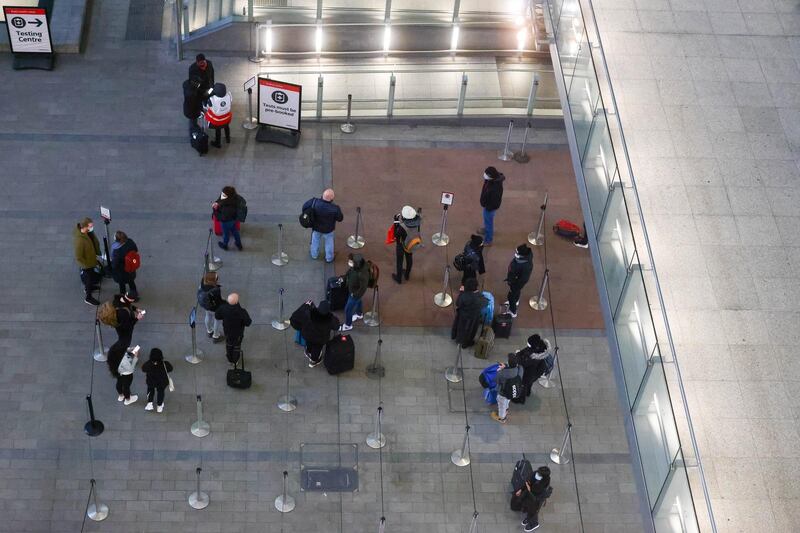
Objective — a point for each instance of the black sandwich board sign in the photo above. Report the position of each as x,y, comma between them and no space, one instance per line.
29,37
279,111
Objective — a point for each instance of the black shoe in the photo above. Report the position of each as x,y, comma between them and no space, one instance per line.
531,526
227,140
397,279
407,274
216,144
223,246
240,247
91,300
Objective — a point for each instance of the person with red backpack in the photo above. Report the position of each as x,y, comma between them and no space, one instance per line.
125,261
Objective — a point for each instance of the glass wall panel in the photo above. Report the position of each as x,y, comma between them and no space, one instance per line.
616,246
568,38
599,167
656,432
675,511
635,333
583,95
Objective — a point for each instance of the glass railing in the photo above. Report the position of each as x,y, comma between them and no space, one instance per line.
673,473
424,90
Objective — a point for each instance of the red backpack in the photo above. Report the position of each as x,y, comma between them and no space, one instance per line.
567,229
132,261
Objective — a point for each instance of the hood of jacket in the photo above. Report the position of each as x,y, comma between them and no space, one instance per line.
543,354
359,263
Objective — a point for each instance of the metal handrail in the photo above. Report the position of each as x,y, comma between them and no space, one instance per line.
382,24
640,216
403,70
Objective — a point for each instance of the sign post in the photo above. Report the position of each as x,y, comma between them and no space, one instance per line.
251,122
279,112
29,37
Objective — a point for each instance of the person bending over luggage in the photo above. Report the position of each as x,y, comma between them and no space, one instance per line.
127,316
469,307
234,319
119,250
473,259
157,372
509,387
357,281
532,497
405,232
317,328
209,298
121,363
537,359
519,272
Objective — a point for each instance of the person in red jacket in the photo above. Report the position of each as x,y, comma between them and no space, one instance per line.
217,111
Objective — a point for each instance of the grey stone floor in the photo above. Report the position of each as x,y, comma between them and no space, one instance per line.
709,96
119,140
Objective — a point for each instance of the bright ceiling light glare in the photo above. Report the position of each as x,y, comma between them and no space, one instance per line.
268,41
522,36
387,38
318,39
454,38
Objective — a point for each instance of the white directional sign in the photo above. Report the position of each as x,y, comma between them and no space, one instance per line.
28,31
279,104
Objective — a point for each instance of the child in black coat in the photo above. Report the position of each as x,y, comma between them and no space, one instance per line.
157,371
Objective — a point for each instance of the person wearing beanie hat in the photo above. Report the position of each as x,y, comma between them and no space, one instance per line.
317,324
87,255
473,259
491,198
537,359
218,113
532,496
405,227
519,273
469,304
157,371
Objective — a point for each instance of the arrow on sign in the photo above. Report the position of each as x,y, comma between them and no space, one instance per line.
37,21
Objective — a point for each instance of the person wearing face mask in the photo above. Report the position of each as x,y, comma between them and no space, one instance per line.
204,71
119,251
532,497
357,283
519,273
87,254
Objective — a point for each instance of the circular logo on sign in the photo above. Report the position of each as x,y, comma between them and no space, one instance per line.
222,104
18,22
280,97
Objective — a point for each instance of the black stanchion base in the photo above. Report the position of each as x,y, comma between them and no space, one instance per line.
270,134
37,61
93,428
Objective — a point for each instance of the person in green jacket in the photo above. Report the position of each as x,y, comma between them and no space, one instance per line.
87,254
357,279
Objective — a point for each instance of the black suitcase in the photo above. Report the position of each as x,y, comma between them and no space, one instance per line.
239,378
523,471
336,292
199,140
501,324
340,354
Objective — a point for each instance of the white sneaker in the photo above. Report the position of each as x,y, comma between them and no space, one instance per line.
345,327
149,406
120,398
131,400
357,317
512,313
160,408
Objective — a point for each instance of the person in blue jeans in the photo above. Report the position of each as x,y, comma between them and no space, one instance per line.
226,208
326,215
357,279
491,198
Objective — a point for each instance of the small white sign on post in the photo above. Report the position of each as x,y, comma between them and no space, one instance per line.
249,84
105,213
28,30
447,198
279,104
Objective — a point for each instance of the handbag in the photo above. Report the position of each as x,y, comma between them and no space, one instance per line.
169,379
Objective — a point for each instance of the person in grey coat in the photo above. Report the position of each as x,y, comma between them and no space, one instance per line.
509,387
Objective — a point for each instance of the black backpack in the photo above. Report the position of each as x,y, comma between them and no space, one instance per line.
523,471
459,262
512,387
241,208
308,216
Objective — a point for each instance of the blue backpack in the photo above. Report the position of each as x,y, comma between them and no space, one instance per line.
488,380
487,313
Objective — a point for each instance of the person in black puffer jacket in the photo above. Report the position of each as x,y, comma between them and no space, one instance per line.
317,323
226,208
209,298
491,198
192,102
532,497
357,279
519,273
234,319
156,370
119,249
473,259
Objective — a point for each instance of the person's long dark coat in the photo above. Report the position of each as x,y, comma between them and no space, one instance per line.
468,317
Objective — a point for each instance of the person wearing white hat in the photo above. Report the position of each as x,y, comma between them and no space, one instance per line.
407,220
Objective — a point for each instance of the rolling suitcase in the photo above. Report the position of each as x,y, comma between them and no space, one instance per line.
239,378
199,140
336,292
501,324
485,343
340,354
